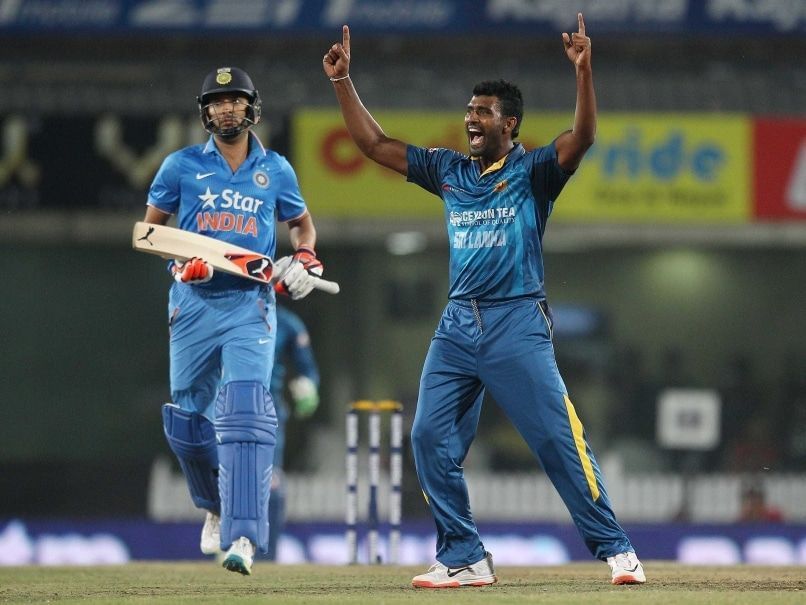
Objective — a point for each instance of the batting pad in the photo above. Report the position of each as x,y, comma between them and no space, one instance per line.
246,427
192,438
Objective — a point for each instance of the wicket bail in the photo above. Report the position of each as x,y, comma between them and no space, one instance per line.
374,409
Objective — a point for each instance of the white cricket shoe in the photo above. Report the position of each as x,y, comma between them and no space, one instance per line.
480,573
626,569
211,534
239,556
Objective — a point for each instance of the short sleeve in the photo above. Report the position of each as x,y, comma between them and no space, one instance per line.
547,176
290,204
427,167
165,193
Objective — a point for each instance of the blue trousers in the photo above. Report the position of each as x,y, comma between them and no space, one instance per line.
217,337
506,348
220,338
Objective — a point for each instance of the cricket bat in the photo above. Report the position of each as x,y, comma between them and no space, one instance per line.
172,243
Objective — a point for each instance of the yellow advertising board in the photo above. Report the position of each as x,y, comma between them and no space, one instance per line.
664,168
643,168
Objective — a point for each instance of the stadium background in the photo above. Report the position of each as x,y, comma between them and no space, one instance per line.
676,258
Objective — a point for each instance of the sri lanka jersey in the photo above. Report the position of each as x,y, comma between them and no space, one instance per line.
495,220
292,343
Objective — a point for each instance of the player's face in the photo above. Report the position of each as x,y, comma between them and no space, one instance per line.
484,125
227,111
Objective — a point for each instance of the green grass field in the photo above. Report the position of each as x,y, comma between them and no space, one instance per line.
199,583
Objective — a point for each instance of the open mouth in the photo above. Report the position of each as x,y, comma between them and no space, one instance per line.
475,137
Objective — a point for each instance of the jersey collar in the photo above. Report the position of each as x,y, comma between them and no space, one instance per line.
256,148
515,152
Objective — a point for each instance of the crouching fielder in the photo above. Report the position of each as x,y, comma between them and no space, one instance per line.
222,423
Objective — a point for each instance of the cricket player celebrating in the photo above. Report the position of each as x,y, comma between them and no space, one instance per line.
222,423
496,331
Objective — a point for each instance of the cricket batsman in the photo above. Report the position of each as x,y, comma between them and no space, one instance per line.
222,422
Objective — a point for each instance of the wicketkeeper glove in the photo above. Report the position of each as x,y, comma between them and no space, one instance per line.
192,271
305,395
297,274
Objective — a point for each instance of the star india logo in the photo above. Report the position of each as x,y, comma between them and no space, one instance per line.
209,199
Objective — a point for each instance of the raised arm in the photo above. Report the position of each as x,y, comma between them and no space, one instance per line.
572,145
363,128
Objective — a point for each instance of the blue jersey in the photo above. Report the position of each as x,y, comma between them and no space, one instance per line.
292,344
495,220
198,186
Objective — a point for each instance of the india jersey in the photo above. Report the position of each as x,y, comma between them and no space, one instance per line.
198,186
495,220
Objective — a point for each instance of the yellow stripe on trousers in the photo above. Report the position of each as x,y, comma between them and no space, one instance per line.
579,441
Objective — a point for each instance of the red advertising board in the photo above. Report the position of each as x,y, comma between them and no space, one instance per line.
780,168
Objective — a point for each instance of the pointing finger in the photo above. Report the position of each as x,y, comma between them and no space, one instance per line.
581,24
345,38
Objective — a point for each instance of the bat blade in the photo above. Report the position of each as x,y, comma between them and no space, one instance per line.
173,243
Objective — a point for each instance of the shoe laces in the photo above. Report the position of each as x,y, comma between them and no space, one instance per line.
436,567
623,560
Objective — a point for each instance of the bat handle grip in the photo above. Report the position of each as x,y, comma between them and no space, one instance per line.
324,285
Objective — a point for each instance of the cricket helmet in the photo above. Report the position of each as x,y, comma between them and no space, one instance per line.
228,80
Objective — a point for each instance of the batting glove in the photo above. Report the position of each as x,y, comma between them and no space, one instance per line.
192,271
297,274
305,395
309,261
